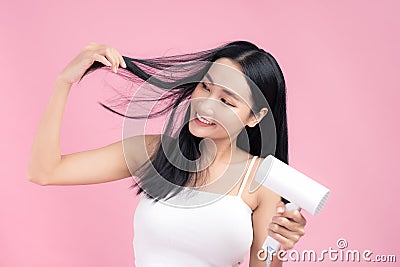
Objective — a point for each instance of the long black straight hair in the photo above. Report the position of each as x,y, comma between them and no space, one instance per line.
258,65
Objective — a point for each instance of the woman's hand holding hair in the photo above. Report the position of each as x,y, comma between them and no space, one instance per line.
104,54
287,226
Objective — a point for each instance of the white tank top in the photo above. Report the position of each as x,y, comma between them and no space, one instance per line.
217,234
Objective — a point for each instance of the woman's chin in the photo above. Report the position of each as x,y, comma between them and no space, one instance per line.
198,131
194,131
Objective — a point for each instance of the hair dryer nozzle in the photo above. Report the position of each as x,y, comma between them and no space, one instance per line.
292,184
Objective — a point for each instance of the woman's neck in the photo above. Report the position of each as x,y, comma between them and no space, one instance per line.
224,153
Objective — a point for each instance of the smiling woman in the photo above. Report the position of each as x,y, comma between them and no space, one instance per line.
196,207
226,100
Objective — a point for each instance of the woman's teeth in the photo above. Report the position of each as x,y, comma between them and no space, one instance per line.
203,120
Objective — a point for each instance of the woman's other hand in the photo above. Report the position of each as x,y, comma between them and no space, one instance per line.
105,54
287,226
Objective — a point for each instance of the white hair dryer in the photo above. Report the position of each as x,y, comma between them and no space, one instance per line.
300,190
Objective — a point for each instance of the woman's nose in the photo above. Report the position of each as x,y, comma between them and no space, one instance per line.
208,112
208,106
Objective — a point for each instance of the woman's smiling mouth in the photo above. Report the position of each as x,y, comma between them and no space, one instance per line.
202,121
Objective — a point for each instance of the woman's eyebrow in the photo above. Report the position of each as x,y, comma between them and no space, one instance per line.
226,91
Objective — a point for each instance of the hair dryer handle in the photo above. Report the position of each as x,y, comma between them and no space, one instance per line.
271,246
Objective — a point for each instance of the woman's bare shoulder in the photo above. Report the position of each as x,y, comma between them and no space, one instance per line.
264,195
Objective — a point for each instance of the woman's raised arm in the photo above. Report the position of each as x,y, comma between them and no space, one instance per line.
105,164
46,164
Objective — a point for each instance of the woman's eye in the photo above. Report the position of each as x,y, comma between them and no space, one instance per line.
204,86
223,100
226,102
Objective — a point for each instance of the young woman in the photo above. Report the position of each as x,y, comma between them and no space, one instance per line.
233,97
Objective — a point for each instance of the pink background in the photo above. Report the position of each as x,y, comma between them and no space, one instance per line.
341,61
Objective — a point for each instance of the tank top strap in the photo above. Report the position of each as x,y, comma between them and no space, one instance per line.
246,176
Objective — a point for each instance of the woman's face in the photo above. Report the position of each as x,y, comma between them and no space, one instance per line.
223,99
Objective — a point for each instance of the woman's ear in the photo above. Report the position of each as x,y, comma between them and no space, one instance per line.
258,117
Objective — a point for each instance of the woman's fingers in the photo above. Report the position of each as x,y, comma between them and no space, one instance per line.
116,55
123,64
280,207
296,216
286,243
285,222
105,54
287,226
119,61
111,55
102,59
293,215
